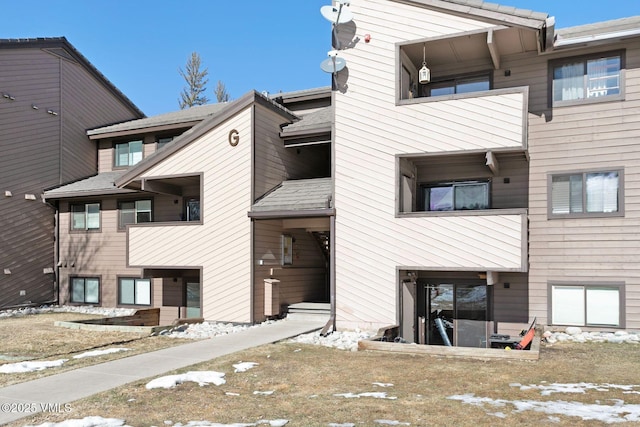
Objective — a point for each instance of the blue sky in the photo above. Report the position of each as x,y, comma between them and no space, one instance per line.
251,44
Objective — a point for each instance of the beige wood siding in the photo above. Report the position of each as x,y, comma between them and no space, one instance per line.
583,138
222,244
371,130
105,155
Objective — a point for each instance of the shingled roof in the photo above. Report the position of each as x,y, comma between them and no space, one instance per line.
493,12
298,195
97,185
317,121
187,116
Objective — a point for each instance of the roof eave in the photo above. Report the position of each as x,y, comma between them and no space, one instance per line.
595,39
302,213
92,193
309,132
143,129
482,14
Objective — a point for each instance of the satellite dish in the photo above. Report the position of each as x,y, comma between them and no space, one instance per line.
337,15
333,65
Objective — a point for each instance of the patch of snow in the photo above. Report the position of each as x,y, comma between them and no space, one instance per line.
84,309
272,423
375,395
264,393
201,377
345,340
548,389
391,423
575,334
383,384
341,425
244,366
232,394
20,367
619,412
86,422
95,353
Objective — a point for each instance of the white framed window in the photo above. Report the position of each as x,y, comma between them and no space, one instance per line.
85,216
127,153
465,195
588,78
587,305
85,290
134,212
585,194
134,291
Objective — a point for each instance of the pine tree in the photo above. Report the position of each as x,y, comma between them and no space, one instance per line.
221,92
193,93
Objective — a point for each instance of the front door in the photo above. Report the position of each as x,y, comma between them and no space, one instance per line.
193,299
455,314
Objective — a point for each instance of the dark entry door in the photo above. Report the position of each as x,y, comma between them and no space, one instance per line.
454,313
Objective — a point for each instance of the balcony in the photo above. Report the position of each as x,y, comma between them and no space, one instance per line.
472,207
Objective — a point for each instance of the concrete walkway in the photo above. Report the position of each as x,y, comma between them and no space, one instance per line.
72,385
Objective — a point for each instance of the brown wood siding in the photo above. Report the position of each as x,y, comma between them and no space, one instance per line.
101,254
504,195
583,138
39,150
273,162
85,104
304,281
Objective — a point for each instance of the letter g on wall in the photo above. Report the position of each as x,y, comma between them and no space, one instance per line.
234,137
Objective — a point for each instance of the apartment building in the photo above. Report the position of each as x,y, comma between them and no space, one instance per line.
475,168
49,95
497,189
165,221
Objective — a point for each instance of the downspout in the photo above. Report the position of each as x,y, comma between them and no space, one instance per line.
56,255
331,324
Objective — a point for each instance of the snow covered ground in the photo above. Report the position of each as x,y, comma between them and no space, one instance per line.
616,412
602,410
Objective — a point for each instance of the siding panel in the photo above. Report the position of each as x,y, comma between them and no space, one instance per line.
222,244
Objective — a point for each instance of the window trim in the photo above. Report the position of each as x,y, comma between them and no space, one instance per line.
585,214
115,157
620,286
85,229
553,64
135,283
123,227
70,287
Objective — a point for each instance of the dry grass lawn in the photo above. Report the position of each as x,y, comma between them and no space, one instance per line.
305,380
35,337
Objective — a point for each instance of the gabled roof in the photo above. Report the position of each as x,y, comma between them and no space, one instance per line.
187,117
229,110
97,185
61,47
296,197
492,12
